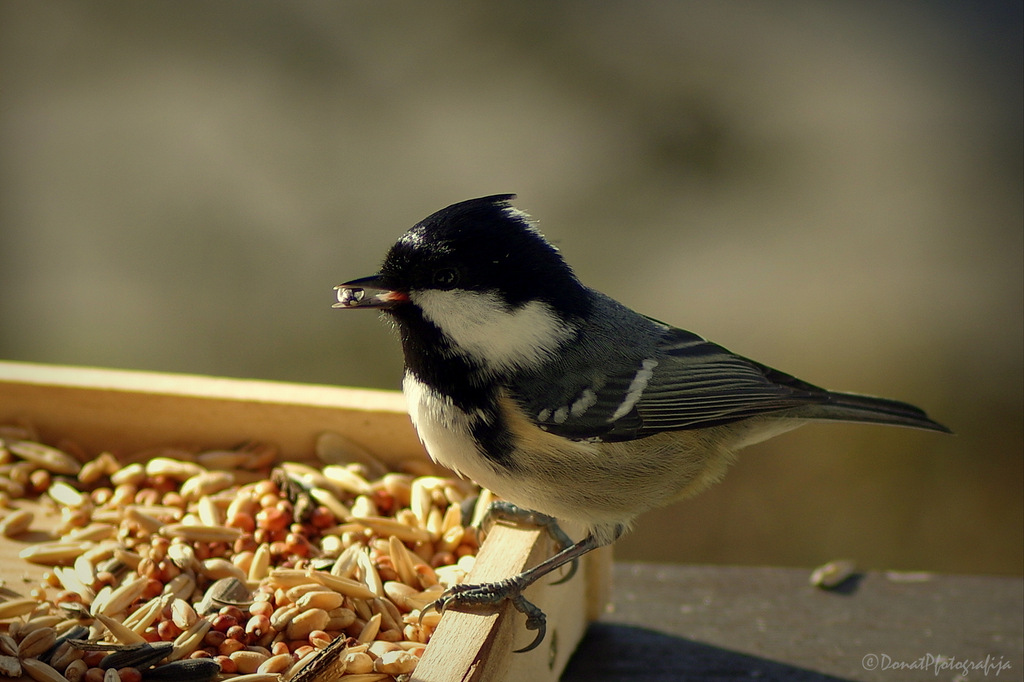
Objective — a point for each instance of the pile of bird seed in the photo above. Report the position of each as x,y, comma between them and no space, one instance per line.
225,564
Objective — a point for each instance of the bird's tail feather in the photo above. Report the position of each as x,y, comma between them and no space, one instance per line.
869,409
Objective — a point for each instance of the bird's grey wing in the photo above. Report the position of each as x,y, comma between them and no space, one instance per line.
686,382
697,384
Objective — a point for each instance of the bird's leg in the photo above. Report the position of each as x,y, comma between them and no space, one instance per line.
502,510
492,594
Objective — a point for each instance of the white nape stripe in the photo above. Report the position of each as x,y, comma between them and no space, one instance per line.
484,327
636,388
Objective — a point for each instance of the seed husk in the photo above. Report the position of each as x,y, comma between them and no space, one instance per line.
248,661
12,608
201,533
222,459
64,655
121,633
334,448
209,513
347,480
370,630
121,598
385,526
132,474
218,568
63,493
8,646
75,672
276,664
306,621
10,666
172,468
54,553
37,642
396,663
189,640
16,523
49,458
834,573
206,483
260,566
174,530
181,586
346,586
324,600
182,613
41,672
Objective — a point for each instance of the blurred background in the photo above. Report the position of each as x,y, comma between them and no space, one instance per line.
834,189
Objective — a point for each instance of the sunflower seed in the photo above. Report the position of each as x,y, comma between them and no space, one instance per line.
226,591
139,656
189,670
324,664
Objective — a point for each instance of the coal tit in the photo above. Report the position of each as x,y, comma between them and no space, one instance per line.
558,398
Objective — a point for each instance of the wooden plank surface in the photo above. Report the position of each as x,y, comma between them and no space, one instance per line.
102,408
672,622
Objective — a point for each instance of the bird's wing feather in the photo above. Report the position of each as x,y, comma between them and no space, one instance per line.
688,382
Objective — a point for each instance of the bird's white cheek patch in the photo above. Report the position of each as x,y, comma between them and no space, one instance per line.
483,326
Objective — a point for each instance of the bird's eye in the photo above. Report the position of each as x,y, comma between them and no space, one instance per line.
446,278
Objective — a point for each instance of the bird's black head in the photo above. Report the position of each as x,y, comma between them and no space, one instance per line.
478,279
482,245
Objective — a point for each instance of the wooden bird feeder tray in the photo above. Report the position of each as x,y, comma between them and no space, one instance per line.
129,411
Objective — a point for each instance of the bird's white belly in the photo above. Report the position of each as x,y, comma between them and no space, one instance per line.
446,432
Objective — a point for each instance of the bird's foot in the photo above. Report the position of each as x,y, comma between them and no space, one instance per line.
493,594
506,511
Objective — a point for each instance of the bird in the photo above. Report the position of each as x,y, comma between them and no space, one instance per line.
568,405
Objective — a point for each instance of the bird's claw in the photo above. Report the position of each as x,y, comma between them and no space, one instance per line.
492,594
535,620
506,511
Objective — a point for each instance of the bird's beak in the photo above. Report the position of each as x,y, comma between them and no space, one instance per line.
368,292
